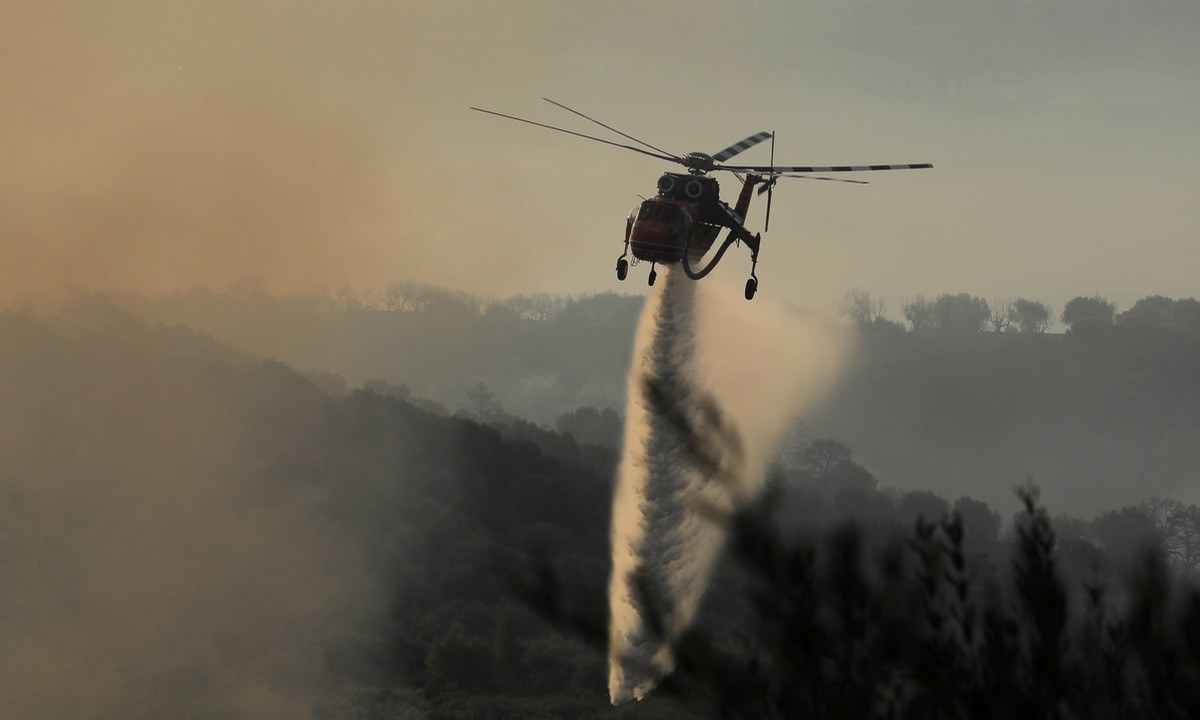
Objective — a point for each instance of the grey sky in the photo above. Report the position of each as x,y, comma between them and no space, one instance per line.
160,146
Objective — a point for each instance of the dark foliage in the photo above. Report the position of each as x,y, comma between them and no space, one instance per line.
925,632
838,597
830,630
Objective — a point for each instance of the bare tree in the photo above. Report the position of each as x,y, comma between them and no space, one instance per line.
538,306
411,296
1003,314
821,457
482,403
347,300
399,297
1179,526
861,308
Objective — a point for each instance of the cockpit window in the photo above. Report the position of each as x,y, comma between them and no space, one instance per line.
660,212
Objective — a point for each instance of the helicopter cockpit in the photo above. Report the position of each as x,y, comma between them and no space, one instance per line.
661,212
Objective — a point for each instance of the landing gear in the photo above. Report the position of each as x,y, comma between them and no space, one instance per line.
622,268
653,276
752,283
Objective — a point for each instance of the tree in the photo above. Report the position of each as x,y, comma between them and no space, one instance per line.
827,464
981,525
919,313
482,403
862,309
1095,309
1160,311
538,306
922,504
1179,527
1150,310
387,389
1184,314
1003,314
1127,532
960,313
402,297
1031,316
410,296
822,456
347,300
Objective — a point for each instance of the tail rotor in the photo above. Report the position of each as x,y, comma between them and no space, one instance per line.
770,185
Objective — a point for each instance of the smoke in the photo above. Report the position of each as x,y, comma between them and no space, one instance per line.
155,559
162,146
714,384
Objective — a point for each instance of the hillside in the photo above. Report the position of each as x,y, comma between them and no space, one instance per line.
187,531
540,356
1100,417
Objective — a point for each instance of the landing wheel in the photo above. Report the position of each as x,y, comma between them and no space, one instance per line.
622,268
653,276
751,288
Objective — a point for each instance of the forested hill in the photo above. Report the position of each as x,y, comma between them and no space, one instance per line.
186,531
539,355
189,531
1102,415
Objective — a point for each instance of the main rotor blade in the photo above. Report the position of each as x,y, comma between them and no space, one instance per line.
818,177
828,168
578,134
737,147
609,127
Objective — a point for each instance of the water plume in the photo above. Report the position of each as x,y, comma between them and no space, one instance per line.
714,384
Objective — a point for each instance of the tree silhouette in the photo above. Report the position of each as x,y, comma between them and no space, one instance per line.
1031,316
1093,309
482,403
1003,314
960,313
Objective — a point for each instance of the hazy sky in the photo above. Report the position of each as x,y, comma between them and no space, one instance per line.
159,146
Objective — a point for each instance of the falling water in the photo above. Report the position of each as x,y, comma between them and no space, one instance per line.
713,386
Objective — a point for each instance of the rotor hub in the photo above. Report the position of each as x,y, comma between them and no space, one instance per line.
698,163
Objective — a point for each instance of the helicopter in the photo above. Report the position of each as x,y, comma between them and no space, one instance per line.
682,221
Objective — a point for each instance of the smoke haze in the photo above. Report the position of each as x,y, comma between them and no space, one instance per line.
163,146
156,560
160,146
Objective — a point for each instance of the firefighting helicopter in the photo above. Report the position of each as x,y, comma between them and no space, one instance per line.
680,223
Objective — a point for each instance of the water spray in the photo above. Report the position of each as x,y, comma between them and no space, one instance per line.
712,389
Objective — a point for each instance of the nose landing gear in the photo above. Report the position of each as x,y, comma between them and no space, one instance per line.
752,283
622,263
653,276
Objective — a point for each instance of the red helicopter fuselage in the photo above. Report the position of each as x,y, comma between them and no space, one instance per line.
684,218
